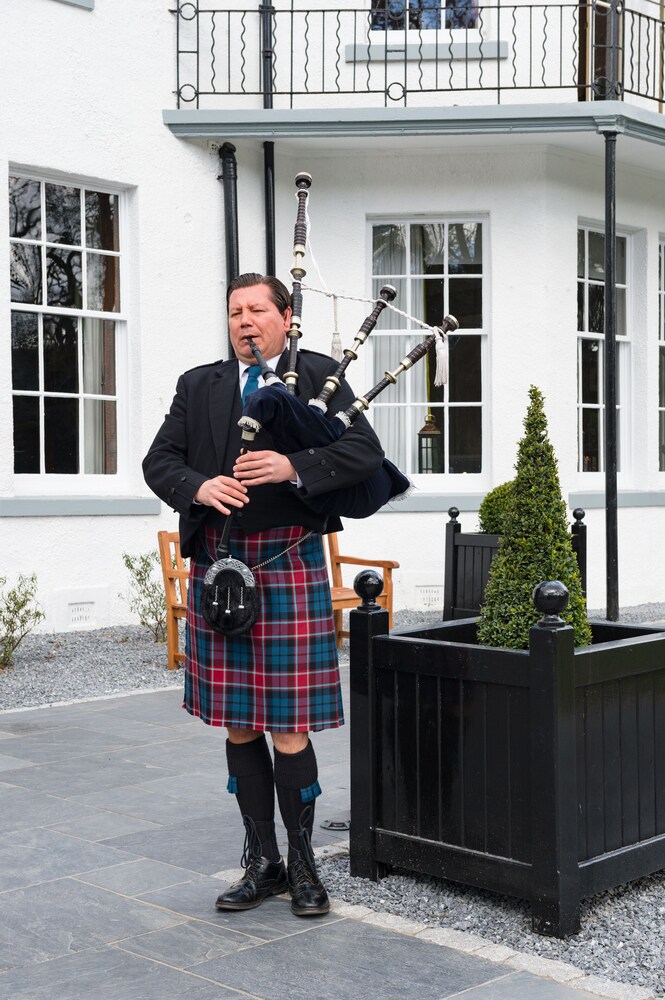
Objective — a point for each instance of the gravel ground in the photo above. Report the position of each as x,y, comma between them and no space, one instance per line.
622,936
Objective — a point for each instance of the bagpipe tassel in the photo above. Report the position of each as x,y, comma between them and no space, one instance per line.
336,351
441,371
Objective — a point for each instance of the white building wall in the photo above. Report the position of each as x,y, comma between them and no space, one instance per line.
88,93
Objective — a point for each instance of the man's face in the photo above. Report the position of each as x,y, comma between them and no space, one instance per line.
254,316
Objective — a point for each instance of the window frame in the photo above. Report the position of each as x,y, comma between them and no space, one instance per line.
624,351
81,483
448,481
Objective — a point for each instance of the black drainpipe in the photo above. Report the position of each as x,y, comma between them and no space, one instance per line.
269,193
266,11
229,178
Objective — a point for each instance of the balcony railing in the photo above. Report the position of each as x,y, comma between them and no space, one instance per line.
265,56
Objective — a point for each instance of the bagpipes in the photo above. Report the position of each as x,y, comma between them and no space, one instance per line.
230,597
296,425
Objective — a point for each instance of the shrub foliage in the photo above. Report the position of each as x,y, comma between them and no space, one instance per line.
18,615
495,509
146,593
535,545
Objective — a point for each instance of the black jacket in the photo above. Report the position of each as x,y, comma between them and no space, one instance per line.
200,439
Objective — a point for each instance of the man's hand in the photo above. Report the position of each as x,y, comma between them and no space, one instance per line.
221,493
255,468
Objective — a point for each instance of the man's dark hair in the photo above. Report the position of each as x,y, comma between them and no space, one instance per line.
279,293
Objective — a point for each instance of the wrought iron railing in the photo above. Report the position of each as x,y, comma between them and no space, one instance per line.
266,56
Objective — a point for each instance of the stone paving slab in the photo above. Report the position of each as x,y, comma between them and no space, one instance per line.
117,837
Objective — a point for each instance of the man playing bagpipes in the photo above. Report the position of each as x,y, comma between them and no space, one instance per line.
281,676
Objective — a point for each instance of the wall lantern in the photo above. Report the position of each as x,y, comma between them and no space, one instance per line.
430,447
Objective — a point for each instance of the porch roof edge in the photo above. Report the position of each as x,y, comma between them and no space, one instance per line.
599,117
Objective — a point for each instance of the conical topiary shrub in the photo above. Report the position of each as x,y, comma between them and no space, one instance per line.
535,545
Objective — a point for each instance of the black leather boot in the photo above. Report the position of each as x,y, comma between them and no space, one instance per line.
308,895
262,877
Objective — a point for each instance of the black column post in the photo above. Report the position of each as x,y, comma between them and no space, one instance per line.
229,178
611,520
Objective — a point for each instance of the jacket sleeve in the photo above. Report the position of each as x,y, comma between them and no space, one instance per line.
165,467
349,460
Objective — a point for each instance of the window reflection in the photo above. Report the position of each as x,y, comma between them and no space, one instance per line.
25,351
25,212
63,278
25,269
63,214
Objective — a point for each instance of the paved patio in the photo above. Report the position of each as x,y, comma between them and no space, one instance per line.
117,836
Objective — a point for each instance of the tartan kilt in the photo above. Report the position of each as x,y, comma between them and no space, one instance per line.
282,675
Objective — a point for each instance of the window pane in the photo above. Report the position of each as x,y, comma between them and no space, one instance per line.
590,351
63,215
25,351
596,256
63,278
60,354
25,266
465,431
621,246
466,302
465,248
387,353
99,356
591,440
392,424
621,312
99,436
427,301
580,307
581,255
596,309
661,441
26,435
103,282
25,212
389,250
661,377
61,435
427,245
429,451
461,14
101,221
465,375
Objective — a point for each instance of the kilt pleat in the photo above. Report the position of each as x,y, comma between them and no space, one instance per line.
282,675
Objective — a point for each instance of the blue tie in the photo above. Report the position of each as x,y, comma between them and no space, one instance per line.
252,382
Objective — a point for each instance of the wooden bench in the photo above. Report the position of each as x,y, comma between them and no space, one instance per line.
176,577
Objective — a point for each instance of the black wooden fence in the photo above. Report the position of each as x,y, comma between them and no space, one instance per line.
468,558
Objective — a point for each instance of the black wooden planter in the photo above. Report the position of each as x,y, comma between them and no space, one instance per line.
539,773
468,558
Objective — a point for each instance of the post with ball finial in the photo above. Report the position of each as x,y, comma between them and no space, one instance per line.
555,870
365,623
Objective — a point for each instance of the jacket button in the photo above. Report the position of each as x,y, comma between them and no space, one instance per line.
183,479
332,473
323,461
311,451
238,513
172,490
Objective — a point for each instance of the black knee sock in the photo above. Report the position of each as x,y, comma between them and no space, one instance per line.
251,780
297,788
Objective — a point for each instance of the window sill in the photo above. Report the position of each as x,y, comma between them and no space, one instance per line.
85,4
466,49
78,506
421,502
593,499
